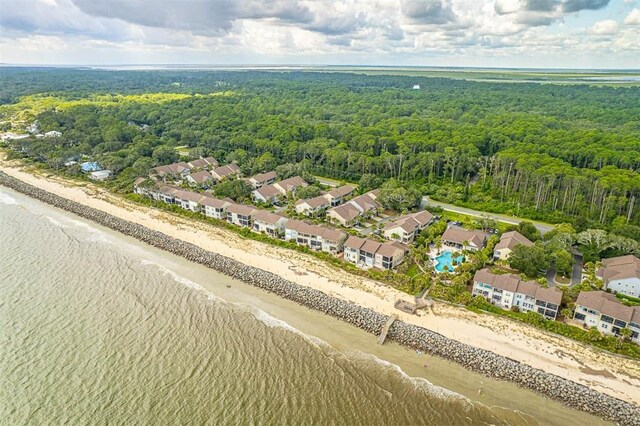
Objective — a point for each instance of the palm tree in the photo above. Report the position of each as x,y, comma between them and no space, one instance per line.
438,243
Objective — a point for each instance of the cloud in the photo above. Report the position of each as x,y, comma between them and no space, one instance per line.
209,17
633,18
571,6
430,12
310,31
606,27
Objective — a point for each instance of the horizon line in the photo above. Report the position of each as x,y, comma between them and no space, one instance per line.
302,65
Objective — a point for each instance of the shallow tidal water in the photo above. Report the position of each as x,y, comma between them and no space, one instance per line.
97,328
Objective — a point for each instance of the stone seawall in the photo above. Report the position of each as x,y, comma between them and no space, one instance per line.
485,362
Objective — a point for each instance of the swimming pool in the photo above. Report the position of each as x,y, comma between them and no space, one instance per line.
446,259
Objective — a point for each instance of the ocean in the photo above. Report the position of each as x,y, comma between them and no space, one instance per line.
98,328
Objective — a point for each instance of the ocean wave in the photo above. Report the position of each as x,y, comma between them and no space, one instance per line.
7,199
56,222
419,382
182,280
273,322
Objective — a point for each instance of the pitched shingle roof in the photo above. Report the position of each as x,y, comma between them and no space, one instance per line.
365,202
214,202
459,235
226,170
410,222
201,177
171,169
328,234
268,191
267,217
608,304
340,191
346,211
511,239
620,267
291,184
241,209
314,202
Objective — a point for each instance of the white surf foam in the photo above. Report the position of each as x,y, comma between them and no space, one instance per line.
419,382
182,280
7,199
56,222
273,322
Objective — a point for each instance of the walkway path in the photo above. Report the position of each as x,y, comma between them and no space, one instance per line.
385,329
542,227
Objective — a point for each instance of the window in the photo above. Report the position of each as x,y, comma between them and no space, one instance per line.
579,317
607,319
619,323
540,303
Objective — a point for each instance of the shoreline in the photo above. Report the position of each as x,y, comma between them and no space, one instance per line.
572,394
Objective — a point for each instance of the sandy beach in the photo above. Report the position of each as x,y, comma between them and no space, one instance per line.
607,373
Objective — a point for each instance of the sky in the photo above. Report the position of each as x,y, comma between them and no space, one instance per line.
482,33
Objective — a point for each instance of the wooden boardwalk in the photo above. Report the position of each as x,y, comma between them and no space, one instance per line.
385,329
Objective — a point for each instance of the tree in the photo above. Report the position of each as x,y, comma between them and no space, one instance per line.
527,229
369,181
165,155
395,196
529,260
484,222
594,335
236,189
625,334
308,192
142,166
563,261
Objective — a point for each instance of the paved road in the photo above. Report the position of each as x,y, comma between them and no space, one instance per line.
551,276
326,182
542,227
576,275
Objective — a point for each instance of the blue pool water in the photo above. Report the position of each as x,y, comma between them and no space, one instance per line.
445,259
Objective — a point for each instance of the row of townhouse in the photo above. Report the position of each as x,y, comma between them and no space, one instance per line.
197,172
272,193
318,205
349,213
508,290
605,312
366,253
406,228
315,237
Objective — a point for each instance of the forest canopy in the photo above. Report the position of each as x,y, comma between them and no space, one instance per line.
561,153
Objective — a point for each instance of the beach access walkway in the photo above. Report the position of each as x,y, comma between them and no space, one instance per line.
385,329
